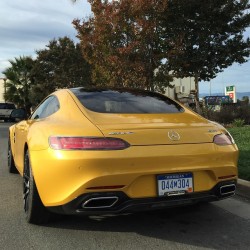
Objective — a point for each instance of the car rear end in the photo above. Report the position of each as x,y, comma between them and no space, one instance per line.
142,160
5,111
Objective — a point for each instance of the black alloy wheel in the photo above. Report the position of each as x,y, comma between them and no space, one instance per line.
26,188
35,212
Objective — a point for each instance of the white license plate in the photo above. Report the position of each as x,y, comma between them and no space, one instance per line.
175,184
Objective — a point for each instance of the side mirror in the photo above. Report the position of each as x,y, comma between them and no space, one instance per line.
18,114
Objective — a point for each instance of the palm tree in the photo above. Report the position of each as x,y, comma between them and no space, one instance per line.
19,81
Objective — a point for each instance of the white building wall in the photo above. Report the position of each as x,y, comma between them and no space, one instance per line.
182,87
1,90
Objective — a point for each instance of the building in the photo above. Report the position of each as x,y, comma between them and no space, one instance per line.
2,85
183,90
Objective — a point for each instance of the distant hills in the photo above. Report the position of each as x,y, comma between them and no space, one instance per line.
239,95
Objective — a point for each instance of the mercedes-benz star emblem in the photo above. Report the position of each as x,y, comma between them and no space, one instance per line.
173,136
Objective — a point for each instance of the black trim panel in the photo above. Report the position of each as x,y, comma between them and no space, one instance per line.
126,204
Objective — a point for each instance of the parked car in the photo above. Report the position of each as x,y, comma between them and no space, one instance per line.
5,110
96,151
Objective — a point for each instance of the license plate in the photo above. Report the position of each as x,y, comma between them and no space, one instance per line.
175,184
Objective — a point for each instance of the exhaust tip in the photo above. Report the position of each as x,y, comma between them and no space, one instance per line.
228,189
100,202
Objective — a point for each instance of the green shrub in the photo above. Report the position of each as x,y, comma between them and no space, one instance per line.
229,114
208,112
238,122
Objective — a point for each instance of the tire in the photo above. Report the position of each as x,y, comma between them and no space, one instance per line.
35,212
11,165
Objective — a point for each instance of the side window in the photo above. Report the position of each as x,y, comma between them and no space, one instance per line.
51,108
48,107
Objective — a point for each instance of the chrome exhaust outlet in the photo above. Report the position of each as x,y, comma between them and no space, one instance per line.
100,202
228,189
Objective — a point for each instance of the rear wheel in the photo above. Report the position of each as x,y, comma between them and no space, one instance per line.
11,165
35,212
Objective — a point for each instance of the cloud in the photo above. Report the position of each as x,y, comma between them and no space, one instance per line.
26,26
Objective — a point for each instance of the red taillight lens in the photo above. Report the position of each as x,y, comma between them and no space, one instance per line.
223,139
87,143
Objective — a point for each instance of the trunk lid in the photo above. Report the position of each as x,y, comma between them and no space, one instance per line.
156,129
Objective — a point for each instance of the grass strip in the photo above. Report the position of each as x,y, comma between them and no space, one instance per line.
241,136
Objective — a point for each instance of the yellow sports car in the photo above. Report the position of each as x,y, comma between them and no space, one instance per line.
96,151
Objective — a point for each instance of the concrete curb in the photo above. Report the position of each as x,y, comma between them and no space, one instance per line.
243,188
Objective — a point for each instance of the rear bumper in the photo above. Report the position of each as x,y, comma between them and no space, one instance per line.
61,176
124,204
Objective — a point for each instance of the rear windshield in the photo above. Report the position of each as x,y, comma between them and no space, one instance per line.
126,101
7,106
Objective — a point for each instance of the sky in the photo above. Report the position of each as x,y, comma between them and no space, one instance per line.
27,26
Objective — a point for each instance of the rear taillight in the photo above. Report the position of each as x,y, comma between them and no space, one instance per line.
87,143
223,139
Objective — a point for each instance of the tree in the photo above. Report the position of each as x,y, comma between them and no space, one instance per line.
19,81
131,41
122,43
206,37
245,99
59,65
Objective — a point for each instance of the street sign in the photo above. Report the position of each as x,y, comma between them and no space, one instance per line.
229,88
231,92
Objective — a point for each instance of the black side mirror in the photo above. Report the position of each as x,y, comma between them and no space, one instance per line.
18,114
